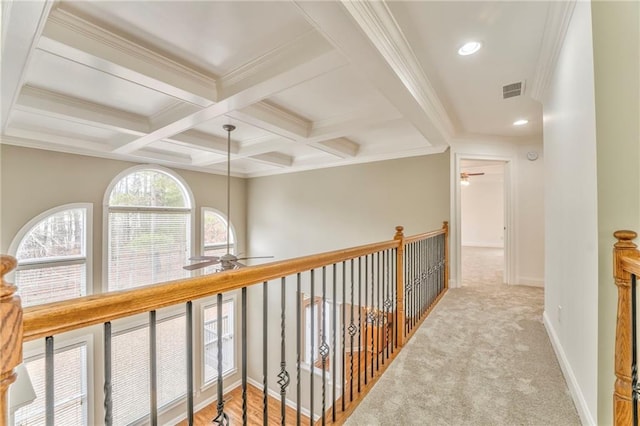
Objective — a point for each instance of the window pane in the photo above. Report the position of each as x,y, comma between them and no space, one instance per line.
59,235
215,229
51,284
147,248
211,341
130,357
148,188
70,389
130,376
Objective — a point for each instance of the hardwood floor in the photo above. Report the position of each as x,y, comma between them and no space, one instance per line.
233,408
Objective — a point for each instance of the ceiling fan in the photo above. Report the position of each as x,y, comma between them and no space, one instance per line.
464,177
227,261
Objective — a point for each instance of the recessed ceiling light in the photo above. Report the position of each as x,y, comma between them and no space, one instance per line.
520,122
469,48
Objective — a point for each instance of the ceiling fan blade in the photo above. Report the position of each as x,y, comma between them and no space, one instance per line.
255,257
200,265
204,258
238,264
475,174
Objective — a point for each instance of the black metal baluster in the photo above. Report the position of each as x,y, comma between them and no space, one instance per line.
359,320
387,302
379,291
634,355
334,364
352,333
376,313
343,321
108,387
363,342
324,348
244,355
298,347
153,370
283,376
189,336
221,417
394,297
49,396
265,351
313,347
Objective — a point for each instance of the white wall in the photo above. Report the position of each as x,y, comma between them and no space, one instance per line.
571,259
616,50
524,181
483,211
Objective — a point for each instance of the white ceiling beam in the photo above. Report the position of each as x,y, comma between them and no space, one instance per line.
340,147
290,67
344,126
81,41
172,157
273,159
67,141
20,35
274,120
205,141
367,34
52,104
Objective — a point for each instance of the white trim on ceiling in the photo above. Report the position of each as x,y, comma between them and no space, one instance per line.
558,19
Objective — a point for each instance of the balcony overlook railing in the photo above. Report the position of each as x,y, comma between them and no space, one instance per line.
626,269
354,309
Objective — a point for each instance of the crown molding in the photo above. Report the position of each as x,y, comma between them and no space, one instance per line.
340,147
378,23
73,31
274,119
558,18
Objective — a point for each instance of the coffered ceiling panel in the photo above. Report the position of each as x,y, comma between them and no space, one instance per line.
307,84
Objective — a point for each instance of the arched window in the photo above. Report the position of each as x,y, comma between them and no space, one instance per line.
149,228
52,252
214,233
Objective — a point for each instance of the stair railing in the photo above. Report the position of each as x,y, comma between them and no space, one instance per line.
364,304
626,269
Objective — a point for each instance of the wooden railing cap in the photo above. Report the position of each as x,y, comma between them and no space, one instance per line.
7,264
625,239
399,232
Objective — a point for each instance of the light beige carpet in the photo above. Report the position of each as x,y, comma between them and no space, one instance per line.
481,358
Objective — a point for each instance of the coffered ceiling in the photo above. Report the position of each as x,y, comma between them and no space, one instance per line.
308,84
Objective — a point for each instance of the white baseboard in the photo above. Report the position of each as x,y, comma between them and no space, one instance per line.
534,282
483,245
206,402
576,393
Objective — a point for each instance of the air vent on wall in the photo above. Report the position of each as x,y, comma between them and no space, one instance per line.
513,89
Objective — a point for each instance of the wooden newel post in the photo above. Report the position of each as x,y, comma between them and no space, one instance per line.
622,390
10,334
400,285
445,226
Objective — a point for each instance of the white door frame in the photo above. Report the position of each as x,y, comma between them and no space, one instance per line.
509,216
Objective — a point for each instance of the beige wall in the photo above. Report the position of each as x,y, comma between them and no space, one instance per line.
616,51
34,181
296,214
303,213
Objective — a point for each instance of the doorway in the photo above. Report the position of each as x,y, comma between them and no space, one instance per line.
483,222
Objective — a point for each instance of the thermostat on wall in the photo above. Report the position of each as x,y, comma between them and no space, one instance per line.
532,155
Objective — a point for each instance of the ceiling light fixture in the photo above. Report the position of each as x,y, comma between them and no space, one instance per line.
520,122
469,48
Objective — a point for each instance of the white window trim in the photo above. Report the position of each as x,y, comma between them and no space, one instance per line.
225,298
233,247
58,261
105,213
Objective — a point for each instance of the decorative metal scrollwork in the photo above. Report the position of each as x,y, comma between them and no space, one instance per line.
222,418
353,329
283,379
324,351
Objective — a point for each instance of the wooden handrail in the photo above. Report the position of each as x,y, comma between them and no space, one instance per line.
625,262
58,317
40,321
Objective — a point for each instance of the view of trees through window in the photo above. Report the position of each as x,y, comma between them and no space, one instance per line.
149,223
